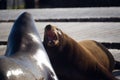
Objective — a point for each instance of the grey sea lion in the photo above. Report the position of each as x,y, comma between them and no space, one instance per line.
25,57
84,60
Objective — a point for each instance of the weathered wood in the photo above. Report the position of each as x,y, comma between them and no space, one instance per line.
102,32
63,13
2,49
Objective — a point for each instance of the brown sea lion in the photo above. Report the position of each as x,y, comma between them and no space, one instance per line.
25,57
86,60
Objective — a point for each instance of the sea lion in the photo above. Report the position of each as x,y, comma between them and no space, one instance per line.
86,60
25,57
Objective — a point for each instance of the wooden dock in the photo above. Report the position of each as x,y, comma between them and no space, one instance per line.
100,24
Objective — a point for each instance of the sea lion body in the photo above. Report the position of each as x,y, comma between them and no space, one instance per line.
12,69
99,52
25,57
86,60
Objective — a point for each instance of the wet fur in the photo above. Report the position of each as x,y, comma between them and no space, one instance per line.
23,59
86,60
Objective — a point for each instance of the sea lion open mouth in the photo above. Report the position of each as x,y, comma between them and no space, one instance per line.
51,35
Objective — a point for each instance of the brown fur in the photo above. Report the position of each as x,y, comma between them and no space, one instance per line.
86,60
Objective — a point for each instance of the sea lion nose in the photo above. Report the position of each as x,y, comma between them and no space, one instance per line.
48,27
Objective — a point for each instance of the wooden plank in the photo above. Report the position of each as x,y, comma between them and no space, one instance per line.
63,13
99,31
5,30
2,49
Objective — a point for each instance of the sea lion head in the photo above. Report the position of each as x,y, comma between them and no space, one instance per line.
52,36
